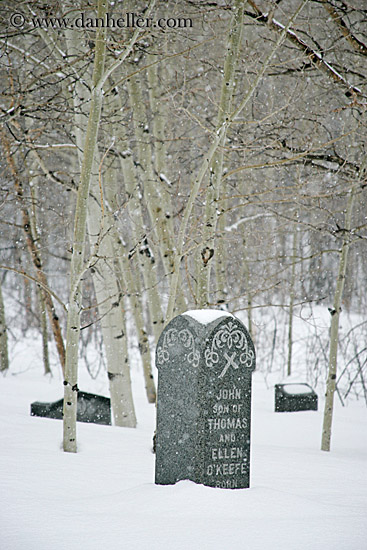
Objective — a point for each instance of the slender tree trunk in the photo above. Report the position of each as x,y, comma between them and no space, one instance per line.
4,357
44,332
246,275
108,295
41,300
128,283
35,257
141,249
216,170
155,195
28,319
291,301
217,140
110,301
100,76
77,258
160,119
334,328
112,315
144,347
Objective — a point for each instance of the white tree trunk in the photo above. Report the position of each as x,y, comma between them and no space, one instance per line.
130,284
33,249
197,182
291,301
246,276
216,170
109,299
144,347
138,231
4,357
41,300
77,259
155,194
111,313
334,328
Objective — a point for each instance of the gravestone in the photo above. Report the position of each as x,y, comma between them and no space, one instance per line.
91,408
295,397
205,360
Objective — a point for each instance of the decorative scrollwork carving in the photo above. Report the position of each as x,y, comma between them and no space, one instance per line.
229,337
173,336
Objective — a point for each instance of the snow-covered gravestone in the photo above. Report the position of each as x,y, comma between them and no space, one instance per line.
205,360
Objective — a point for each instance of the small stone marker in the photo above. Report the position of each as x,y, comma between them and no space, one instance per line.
91,408
295,397
205,360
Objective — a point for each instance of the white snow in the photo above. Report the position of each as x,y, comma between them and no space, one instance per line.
319,56
164,178
234,226
104,497
295,389
206,316
55,146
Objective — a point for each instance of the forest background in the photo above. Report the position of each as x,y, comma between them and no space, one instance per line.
216,159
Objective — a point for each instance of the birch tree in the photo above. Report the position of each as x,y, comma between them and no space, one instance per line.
4,357
77,260
138,227
347,239
216,141
291,298
214,188
108,295
100,76
41,300
124,274
183,204
155,196
34,251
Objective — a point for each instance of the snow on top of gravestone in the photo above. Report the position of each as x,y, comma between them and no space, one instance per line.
294,389
206,316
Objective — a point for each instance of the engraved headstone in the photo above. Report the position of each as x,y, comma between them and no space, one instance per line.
91,408
295,397
205,360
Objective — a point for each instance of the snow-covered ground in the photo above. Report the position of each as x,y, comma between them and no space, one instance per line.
104,497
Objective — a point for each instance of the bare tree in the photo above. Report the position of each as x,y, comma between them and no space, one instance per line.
186,175
4,358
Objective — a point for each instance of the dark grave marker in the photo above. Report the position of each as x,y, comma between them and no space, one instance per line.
91,408
205,360
295,397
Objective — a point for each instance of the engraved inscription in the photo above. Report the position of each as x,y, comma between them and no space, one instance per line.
229,394
228,454
226,469
227,423
204,402
227,438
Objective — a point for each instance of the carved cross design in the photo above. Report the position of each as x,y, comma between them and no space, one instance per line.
230,363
